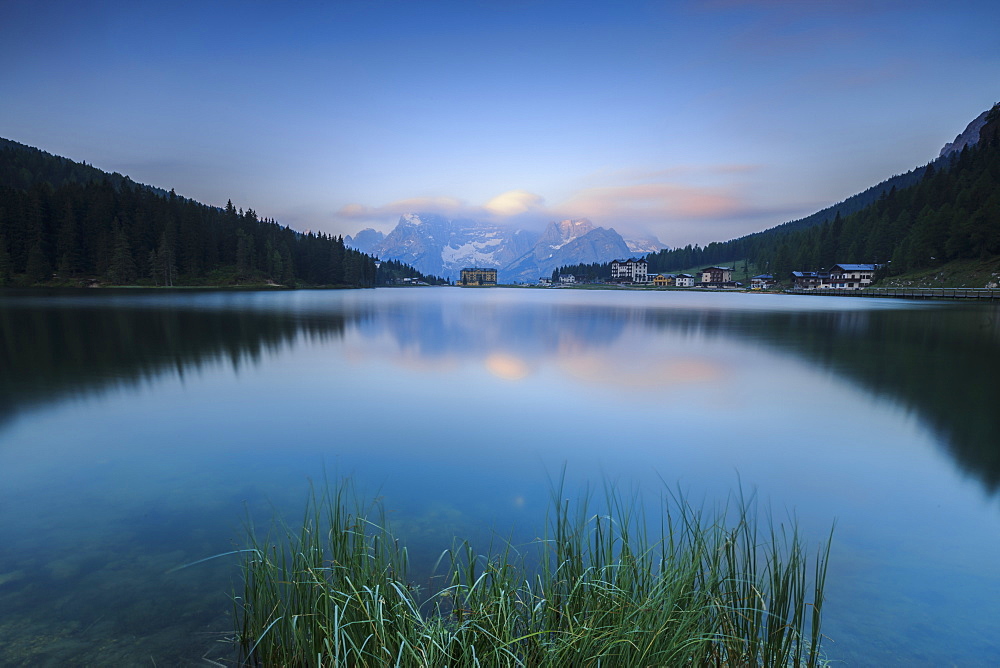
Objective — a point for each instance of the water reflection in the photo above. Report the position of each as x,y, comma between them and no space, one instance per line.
939,361
55,346
157,420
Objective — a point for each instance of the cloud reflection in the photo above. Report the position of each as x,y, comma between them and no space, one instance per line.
941,362
507,366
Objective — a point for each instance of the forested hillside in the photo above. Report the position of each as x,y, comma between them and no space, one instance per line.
721,252
949,209
952,213
66,223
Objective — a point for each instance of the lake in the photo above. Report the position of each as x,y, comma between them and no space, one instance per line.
141,431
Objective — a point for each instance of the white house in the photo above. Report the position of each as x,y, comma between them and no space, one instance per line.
810,280
852,276
762,282
684,281
633,270
840,277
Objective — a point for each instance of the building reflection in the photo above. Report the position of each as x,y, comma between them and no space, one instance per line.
941,363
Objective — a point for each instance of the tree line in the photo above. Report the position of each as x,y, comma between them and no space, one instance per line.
68,223
946,210
952,213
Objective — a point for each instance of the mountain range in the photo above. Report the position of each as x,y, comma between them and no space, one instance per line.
435,245
73,224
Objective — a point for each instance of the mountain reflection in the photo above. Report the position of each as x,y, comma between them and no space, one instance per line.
430,330
940,362
54,348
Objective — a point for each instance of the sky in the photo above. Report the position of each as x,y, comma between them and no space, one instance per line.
691,121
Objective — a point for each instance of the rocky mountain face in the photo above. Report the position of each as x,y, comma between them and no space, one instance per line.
435,245
364,240
566,242
645,245
968,137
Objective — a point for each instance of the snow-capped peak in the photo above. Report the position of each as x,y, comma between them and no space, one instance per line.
648,244
436,245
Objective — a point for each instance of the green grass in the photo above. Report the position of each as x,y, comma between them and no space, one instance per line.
739,274
597,588
975,273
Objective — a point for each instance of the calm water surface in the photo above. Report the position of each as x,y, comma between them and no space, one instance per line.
139,431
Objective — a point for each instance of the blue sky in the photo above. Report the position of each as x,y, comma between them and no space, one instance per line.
693,121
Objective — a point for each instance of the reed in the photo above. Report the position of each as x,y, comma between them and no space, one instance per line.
598,588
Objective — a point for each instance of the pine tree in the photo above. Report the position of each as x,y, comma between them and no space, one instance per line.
287,268
276,270
337,251
6,266
155,265
244,255
122,269
162,266
37,269
67,243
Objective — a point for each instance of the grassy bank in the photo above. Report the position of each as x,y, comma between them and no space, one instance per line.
979,273
596,588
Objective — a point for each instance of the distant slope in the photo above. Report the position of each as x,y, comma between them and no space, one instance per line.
951,213
23,166
853,203
748,246
67,223
761,247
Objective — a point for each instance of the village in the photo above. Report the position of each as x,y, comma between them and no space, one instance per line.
635,272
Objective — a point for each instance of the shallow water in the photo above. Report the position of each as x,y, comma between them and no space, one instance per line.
138,431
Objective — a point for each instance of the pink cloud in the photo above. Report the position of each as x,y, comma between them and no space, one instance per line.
694,171
392,211
682,204
514,205
663,201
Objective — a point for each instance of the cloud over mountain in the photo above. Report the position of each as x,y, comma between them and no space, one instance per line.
673,203
514,203
441,246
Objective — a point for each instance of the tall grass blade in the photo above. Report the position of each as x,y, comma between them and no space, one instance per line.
603,586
